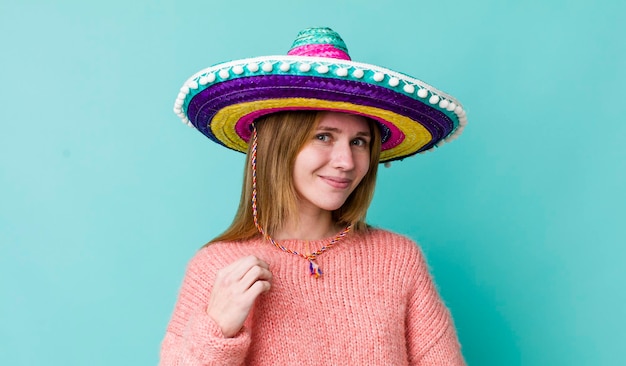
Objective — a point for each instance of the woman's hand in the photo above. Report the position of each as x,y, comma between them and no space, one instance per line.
235,289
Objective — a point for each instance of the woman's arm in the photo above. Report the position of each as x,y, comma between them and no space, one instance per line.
431,336
193,338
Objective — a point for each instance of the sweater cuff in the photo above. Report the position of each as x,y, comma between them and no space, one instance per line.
206,341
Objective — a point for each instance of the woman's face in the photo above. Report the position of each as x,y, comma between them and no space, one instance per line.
333,163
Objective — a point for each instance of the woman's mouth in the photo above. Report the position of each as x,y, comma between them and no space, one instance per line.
336,182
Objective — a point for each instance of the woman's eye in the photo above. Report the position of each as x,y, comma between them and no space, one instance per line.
359,142
322,137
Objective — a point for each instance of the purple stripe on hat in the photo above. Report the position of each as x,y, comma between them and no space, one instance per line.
204,105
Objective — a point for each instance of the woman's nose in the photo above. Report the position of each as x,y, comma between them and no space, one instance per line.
342,156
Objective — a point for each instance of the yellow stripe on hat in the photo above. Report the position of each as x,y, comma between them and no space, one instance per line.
224,121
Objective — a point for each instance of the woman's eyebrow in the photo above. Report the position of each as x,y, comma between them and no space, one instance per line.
329,129
337,130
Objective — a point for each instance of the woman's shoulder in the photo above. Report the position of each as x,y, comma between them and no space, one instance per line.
396,253
220,254
385,235
393,242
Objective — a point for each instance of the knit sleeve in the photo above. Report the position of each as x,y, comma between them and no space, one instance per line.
192,338
431,336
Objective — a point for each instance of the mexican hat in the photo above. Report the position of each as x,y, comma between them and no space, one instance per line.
222,101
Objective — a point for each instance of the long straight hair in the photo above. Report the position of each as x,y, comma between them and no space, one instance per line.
280,137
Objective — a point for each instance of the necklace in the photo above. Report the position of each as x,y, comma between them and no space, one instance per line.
314,269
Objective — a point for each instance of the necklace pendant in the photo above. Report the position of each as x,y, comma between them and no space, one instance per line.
314,269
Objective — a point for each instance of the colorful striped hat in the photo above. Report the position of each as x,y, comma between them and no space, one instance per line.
222,101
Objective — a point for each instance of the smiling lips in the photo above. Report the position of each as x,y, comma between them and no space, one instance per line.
335,182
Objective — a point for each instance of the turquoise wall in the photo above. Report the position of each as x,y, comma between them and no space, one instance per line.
105,195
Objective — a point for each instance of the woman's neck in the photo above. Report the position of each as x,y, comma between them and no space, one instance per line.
308,227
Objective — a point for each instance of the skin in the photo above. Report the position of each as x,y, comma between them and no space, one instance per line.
327,170
236,288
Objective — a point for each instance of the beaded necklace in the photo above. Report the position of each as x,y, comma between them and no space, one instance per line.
314,268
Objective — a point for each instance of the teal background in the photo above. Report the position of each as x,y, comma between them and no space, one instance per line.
105,195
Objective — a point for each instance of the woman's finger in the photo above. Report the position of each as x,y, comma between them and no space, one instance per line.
254,274
257,289
238,269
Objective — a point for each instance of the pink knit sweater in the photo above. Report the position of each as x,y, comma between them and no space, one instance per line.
376,304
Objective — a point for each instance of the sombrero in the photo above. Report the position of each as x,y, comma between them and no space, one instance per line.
222,101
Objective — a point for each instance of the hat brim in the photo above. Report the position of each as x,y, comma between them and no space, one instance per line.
223,100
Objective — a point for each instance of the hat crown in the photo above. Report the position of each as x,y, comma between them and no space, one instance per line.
319,42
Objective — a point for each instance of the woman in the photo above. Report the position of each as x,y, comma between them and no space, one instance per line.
299,277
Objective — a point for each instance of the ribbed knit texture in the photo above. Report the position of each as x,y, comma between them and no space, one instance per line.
376,304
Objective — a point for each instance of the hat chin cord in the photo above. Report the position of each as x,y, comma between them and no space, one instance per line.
314,269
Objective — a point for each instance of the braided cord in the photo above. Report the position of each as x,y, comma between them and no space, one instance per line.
314,269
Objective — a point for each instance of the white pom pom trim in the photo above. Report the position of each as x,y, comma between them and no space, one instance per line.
322,69
253,67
